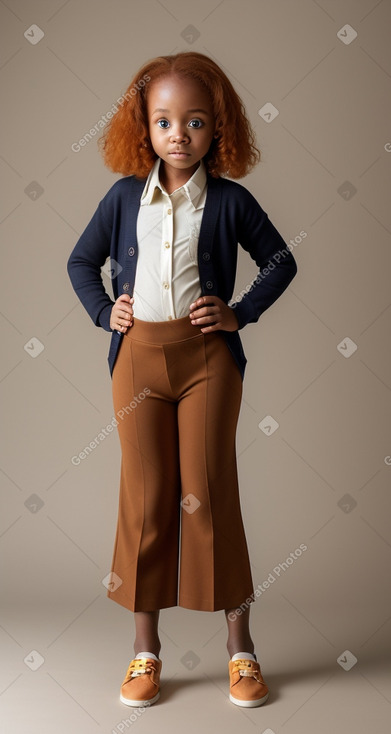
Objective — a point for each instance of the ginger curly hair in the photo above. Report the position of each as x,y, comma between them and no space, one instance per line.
125,143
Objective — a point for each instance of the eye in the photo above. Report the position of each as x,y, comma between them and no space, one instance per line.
164,125
198,122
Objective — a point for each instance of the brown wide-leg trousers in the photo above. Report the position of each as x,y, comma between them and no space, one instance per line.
180,539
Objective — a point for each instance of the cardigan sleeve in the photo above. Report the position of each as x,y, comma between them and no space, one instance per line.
85,262
277,266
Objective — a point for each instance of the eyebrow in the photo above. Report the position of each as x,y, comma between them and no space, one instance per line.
161,109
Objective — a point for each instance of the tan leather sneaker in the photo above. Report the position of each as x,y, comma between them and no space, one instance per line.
247,687
141,685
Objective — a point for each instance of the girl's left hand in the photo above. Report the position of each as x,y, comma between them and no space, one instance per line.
210,313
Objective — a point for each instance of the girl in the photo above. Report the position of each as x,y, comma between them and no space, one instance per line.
176,358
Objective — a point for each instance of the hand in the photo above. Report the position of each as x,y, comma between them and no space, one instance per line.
121,316
210,313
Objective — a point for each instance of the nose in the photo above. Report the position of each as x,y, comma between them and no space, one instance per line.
178,135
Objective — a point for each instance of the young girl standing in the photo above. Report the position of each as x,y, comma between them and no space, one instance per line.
171,226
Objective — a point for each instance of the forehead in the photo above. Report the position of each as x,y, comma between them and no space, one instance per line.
177,91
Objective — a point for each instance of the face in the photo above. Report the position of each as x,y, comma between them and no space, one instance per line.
181,123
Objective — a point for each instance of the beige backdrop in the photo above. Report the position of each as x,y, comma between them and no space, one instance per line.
316,79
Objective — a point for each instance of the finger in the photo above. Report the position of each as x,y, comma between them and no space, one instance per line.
203,313
124,302
196,304
207,324
125,297
203,301
123,310
211,327
123,324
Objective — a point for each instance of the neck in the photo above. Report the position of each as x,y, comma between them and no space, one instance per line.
172,178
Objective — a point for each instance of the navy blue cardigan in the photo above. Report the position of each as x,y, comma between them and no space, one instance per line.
231,215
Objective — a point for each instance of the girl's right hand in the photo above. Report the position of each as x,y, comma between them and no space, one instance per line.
121,316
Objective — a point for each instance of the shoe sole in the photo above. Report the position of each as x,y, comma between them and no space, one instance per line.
137,704
248,704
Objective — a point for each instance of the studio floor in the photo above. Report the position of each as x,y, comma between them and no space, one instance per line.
62,667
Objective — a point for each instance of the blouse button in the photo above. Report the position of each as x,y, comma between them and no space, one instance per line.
125,287
209,284
131,251
206,256
165,285
169,211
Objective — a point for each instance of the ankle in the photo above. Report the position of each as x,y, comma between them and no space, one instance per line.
147,646
244,646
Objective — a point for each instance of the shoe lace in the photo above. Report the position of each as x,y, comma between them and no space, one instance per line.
248,669
141,666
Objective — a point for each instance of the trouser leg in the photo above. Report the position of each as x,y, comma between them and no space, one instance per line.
214,562
146,547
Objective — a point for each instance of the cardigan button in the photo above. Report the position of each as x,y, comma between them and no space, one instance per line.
209,284
131,251
206,256
125,287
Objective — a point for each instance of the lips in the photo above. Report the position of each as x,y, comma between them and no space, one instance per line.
179,152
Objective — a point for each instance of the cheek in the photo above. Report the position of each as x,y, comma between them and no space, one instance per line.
157,133
207,140
154,134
